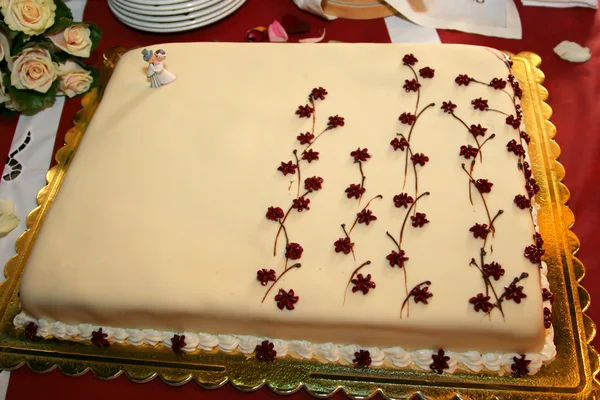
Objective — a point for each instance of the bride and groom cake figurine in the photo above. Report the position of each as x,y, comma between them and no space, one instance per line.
156,71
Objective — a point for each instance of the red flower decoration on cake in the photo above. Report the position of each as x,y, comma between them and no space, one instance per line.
287,168
419,219
264,276
547,296
532,187
539,240
365,217
411,85
463,79
310,155
314,183
477,130
519,366
363,284
426,73
403,200
407,118
397,258
343,245
335,121
498,83
31,330
318,93
99,339
178,343
514,293
305,111
420,295
517,88
468,151
514,147
480,231
525,137
409,59
265,351
481,303
534,254
493,270
305,138
526,170
293,251
275,213
483,185
448,107
440,361
360,155
514,122
286,299
419,158
399,143
547,318
301,203
479,104
355,191
522,202
362,358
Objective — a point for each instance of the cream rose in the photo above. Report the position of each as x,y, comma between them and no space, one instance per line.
74,40
31,17
73,79
5,49
33,69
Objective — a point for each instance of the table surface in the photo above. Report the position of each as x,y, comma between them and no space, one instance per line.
574,97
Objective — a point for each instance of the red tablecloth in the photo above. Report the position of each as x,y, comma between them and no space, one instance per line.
574,96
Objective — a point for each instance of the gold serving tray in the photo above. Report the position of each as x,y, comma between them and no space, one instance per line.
570,376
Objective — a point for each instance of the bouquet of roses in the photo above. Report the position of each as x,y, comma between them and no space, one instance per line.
40,55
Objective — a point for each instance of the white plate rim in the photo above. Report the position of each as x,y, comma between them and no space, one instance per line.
211,9
165,10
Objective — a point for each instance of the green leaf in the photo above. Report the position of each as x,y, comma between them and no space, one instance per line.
95,34
33,41
62,18
7,31
30,101
5,112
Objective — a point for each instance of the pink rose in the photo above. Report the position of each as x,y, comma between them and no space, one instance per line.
33,69
73,79
74,40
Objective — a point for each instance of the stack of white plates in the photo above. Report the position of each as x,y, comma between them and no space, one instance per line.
164,16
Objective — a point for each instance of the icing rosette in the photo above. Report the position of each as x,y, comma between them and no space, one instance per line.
470,359
347,352
136,337
328,351
422,358
301,348
85,331
192,340
398,356
247,344
281,347
119,335
206,341
153,337
228,343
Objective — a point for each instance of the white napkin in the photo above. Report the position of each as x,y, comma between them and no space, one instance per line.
561,3
313,7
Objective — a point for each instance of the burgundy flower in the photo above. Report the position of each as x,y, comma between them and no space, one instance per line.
287,168
483,185
481,303
409,59
305,111
440,361
336,121
522,202
355,191
301,203
403,200
362,358
286,299
314,183
420,295
526,170
318,93
360,155
463,80
419,158
514,122
479,104
265,351
99,339
477,130
419,220
539,240
411,85
517,88
363,284
498,83
518,111
256,35
264,276
178,343
310,155
511,78
514,293
514,147
31,330
519,366
426,72
480,231
525,137
397,258
399,143
532,187
468,151
534,254
275,213
293,251
305,138
407,118
343,245
547,296
547,318
365,217
448,107
494,270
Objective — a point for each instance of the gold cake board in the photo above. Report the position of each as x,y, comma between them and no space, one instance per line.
570,376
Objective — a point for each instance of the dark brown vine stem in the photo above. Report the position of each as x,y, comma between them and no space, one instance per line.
348,236
409,150
498,111
482,199
404,267
312,104
469,130
362,181
488,85
406,300
499,213
353,275
409,137
486,280
364,208
282,222
418,89
297,265
493,135
515,281
317,137
471,186
298,168
406,217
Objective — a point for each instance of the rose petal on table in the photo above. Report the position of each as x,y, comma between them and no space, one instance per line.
8,222
314,40
257,34
7,206
276,33
294,24
572,52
